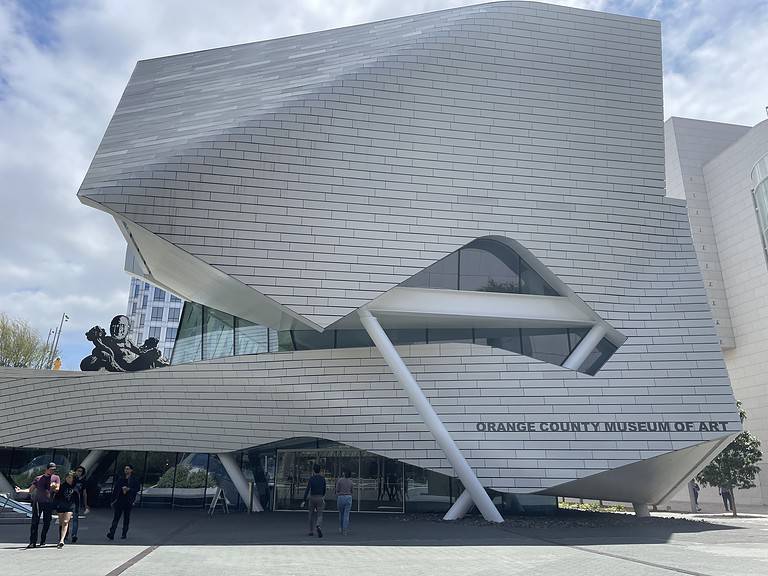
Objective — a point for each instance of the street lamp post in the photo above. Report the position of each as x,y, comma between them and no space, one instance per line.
57,336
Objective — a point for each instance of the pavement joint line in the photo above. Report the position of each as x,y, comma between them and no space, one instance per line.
147,551
616,556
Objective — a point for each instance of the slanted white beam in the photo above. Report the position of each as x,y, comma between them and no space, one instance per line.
585,347
430,417
238,479
400,306
91,459
460,507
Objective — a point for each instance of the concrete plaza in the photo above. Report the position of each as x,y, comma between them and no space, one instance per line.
574,543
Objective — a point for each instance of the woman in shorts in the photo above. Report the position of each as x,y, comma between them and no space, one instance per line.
66,501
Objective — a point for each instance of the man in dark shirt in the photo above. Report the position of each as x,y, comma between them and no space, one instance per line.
41,493
315,491
123,496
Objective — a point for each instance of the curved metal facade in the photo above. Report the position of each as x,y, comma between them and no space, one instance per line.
294,181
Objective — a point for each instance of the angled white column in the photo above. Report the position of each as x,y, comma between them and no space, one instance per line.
585,347
238,479
430,417
91,459
460,507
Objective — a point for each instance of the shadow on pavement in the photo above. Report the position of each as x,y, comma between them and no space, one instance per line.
195,528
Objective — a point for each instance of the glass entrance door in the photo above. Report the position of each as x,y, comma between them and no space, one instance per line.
378,481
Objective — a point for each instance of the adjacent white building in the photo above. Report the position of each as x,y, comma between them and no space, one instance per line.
721,170
154,313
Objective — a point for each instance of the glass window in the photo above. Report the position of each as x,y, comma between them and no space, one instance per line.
549,345
134,306
158,479
532,283
284,341
504,338
599,356
442,274
400,337
250,338
218,334
159,295
157,314
144,302
449,335
136,288
175,299
312,340
155,332
146,285
189,342
426,491
173,314
353,339
575,336
170,333
192,487
489,266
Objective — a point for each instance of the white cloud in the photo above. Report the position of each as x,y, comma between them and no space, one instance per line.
61,78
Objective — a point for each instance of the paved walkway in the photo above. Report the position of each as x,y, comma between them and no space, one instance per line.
576,544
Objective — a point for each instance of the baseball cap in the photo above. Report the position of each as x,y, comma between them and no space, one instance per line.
51,465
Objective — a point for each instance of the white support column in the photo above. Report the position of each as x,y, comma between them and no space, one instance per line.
430,417
238,479
585,347
91,459
641,509
460,507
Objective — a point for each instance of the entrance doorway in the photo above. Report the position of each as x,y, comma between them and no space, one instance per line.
378,481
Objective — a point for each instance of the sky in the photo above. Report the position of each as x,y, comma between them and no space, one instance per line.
64,65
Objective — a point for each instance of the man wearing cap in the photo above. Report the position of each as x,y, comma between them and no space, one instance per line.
41,493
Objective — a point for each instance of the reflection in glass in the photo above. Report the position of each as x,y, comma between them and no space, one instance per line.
549,345
250,338
218,334
192,488
426,491
401,337
504,338
157,479
189,340
312,340
353,339
599,356
489,266
450,335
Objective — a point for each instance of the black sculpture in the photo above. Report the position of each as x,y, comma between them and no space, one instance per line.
116,353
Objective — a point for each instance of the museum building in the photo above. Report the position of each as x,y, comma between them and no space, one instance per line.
434,250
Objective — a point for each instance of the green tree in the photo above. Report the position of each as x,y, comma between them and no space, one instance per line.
21,346
737,465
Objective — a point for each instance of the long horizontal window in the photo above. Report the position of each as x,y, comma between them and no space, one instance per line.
205,333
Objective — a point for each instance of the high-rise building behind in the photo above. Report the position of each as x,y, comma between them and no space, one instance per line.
154,313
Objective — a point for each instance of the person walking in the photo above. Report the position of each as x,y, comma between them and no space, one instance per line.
123,496
82,501
727,495
66,501
696,490
41,493
314,495
344,501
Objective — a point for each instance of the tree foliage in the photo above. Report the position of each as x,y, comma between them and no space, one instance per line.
737,465
20,345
